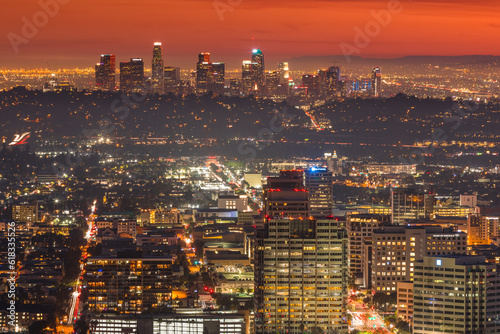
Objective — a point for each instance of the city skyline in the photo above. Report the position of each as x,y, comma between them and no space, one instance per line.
250,167
66,37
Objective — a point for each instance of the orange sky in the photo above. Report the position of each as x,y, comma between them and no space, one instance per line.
83,29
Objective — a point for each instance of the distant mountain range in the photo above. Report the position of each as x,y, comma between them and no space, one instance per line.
315,62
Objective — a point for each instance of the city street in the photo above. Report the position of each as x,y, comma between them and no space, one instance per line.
365,319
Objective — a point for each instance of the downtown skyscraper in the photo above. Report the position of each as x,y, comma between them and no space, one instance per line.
247,82
210,77
284,73
333,81
157,69
253,73
105,72
132,75
376,81
258,68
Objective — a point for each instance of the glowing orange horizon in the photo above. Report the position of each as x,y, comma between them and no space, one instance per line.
81,30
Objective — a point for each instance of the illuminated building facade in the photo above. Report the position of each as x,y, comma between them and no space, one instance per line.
232,201
247,78
129,284
284,73
396,248
312,83
25,213
172,79
333,81
391,169
410,204
203,69
209,76
258,68
160,217
359,231
188,321
217,78
376,81
301,269
360,87
456,294
468,200
132,75
301,276
286,196
481,229
405,301
157,69
319,184
273,83
105,72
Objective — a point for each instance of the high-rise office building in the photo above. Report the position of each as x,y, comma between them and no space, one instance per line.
319,184
359,231
312,83
456,294
132,75
129,283
235,86
157,71
172,79
300,263
333,80
203,70
105,72
217,79
272,82
376,81
247,83
258,68
285,196
410,204
396,248
209,76
301,276
247,78
284,73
